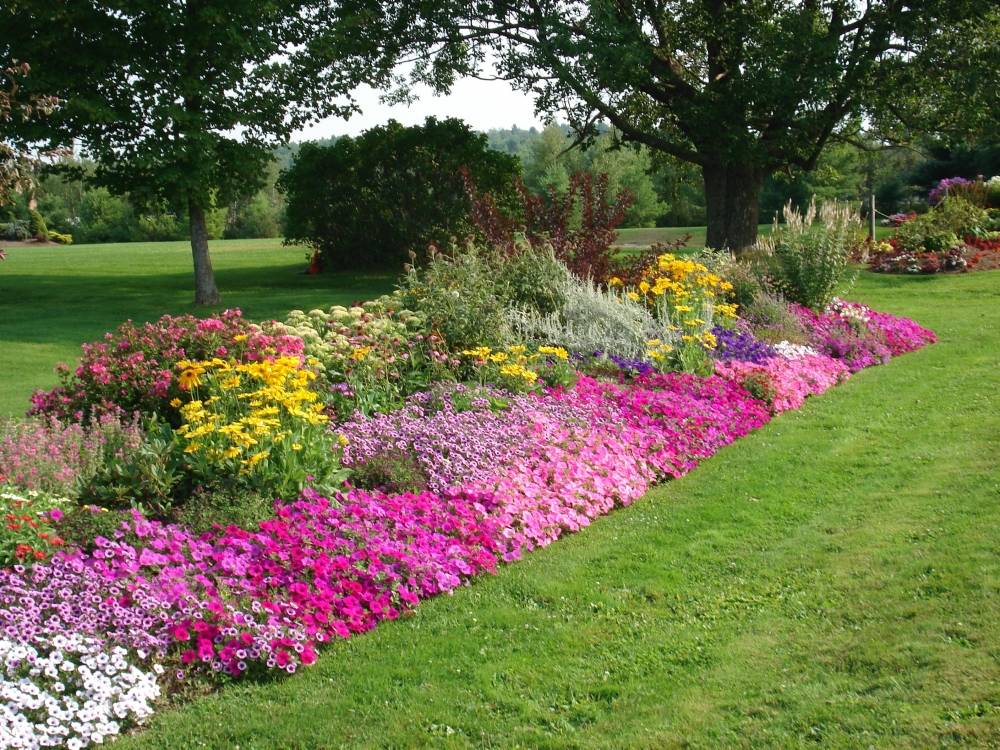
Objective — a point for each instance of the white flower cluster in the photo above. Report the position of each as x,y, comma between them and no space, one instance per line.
69,691
13,493
849,311
788,350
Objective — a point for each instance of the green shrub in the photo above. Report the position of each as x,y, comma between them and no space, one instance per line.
149,477
224,506
84,523
36,226
943,227
60,239
457,294
923,234
591,319
105,218
15,231
958,215
772,321
391,471
370,200
807,256
533,278
358,347
160,226
760,386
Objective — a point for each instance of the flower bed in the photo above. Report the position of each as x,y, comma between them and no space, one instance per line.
455,480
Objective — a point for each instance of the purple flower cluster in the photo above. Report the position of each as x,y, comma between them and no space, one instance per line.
629,367
847,338
740,346
940,191
456,437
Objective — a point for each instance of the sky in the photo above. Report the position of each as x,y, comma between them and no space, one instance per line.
482,104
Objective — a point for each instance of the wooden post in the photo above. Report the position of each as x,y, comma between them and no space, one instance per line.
871,217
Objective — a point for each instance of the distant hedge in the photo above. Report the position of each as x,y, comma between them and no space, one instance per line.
368,201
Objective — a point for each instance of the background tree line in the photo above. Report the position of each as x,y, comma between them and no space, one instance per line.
667,192
181,103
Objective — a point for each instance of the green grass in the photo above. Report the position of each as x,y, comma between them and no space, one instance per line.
832,580
54,298
647,236
643,237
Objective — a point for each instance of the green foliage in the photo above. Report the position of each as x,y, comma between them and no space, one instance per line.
771,320
740,90
15,231
760,386
943,227
260,216
60,239
533,278
105,218
223,506
392,471
959,215
36,226
159,226
925,234
370,200
550,160
808,255
356,352
182,103
149,477
457,293
592,318
84,523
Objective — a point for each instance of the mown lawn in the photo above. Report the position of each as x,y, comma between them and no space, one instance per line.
830,581
643,237
53,298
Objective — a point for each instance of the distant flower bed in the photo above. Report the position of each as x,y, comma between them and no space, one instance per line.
960,232
143,545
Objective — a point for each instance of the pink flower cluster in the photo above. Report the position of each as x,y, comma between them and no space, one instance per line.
319,569
787,382
860,336
324,568
131,369
900,335
660,426
48,455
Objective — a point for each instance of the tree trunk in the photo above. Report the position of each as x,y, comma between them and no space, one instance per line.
732,192
205,292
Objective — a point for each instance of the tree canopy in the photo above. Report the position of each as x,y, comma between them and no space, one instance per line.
740,89
182,101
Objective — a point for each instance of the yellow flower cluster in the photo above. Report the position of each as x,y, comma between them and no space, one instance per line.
517,354
658,350
684,282
514,361
246,410
520,371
